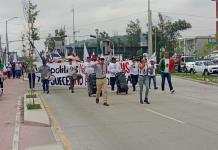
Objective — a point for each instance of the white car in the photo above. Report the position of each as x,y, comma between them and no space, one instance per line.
205,66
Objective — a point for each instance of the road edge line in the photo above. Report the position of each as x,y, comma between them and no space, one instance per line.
55,127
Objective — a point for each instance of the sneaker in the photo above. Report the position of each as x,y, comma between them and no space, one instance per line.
48,92
156,88
106,104
172,91
146,101
141,102
97,100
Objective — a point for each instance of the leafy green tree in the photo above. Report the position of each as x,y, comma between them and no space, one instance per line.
167,33
60,35
133,31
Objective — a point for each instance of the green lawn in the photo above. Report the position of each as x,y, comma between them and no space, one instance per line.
200,77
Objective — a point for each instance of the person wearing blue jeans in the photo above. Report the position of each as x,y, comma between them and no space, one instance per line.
45,74
165,75
45,85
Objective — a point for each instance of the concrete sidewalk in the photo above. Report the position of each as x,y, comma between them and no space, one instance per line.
29,136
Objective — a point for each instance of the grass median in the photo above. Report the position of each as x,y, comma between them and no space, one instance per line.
200,77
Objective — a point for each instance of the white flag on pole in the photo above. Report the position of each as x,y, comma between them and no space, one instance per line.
85,54
153,57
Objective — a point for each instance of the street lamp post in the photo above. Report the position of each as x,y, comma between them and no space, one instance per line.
7,43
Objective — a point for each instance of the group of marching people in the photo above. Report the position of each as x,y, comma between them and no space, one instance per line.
141,72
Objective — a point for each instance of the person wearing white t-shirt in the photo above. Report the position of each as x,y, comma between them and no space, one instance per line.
113,68
88,69
134,73
152,74
72,69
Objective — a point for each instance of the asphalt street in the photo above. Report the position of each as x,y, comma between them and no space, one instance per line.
186,120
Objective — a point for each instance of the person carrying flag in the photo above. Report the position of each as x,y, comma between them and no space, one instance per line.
166,68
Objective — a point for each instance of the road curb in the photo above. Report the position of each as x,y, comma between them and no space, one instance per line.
202,82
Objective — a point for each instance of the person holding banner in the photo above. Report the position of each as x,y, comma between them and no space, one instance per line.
45,74
166,67
113,68
101,80
143,78
134,72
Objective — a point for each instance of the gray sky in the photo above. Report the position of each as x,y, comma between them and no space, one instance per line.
111,16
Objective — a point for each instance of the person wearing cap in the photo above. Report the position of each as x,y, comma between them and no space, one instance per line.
166,68
134,72
152,74
89,69
72,69
100,68
143,79
45,74
113,68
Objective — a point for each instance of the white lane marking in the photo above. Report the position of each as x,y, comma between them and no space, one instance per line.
165,116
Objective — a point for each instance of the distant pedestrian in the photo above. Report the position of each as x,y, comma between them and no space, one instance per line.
88,70
18,69
13,69
101,80
134,72
166,67
143,79
45,74
152,74
113,69
31,76
72,72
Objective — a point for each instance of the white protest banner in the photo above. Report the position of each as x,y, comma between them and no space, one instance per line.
59,70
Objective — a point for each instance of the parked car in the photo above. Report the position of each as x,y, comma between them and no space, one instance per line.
187,62
205,67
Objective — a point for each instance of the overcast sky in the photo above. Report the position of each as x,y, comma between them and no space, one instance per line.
111,16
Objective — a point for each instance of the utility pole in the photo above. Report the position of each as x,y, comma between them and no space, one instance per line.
74,34
7,45
155,45
97,38
149,30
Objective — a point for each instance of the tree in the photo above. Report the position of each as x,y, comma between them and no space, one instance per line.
133,31
59,36
30,13
104,35
167,33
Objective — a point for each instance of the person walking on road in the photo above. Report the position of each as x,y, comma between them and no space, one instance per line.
143,78
88,69
101,80
152,74
72,72
113,69
31,76
45,74
166,68
134,72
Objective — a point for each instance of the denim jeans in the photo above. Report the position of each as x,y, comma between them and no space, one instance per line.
112,82
154,81
45,85
143,80
165,75
134,80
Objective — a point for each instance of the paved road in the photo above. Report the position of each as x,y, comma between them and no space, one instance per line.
186,120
